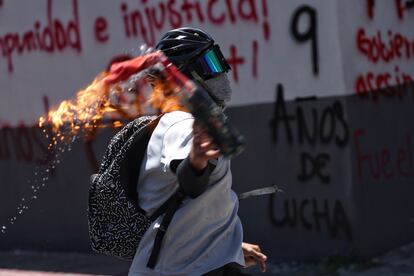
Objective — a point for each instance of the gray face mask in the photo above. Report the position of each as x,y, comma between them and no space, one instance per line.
220,88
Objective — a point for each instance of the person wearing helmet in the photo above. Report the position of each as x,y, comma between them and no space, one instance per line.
205,236
194,52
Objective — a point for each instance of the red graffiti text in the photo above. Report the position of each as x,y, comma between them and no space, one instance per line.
385,163
146,20
50,37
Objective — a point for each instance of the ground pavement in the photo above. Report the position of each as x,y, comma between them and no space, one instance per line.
399,262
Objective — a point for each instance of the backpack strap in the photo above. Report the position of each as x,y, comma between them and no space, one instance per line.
259,192
129,169
186,176
129,175
169,208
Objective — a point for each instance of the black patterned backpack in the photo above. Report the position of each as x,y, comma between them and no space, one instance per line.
116,222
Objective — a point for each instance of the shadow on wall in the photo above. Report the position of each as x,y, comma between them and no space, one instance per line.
344,165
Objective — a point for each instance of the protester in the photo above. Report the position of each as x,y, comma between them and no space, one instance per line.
205,235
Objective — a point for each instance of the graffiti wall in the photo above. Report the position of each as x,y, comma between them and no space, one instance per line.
39,51
322,91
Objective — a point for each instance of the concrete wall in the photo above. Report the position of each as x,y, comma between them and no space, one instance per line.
305,76
345,168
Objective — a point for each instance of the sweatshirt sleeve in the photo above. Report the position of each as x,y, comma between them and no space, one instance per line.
191,182
177,142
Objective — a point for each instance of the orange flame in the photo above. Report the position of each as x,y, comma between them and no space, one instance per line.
85,113
82,113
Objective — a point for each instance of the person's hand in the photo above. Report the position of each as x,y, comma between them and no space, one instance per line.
253,255
203,148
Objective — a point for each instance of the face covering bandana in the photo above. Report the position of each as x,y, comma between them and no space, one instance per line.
220,87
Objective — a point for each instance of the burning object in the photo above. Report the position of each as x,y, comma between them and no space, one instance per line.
149,83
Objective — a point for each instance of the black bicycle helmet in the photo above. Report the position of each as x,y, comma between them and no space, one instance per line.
194,53
184,45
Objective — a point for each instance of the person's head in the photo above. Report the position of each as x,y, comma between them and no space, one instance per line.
195,53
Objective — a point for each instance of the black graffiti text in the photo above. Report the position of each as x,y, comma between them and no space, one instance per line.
324,125
312,214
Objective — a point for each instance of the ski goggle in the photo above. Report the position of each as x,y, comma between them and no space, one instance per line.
211,63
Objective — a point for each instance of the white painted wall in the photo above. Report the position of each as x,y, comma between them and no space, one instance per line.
353,15
281,59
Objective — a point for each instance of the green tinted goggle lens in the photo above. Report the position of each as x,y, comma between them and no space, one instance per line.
213,62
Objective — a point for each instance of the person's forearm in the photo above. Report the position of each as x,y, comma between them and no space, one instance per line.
192,182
